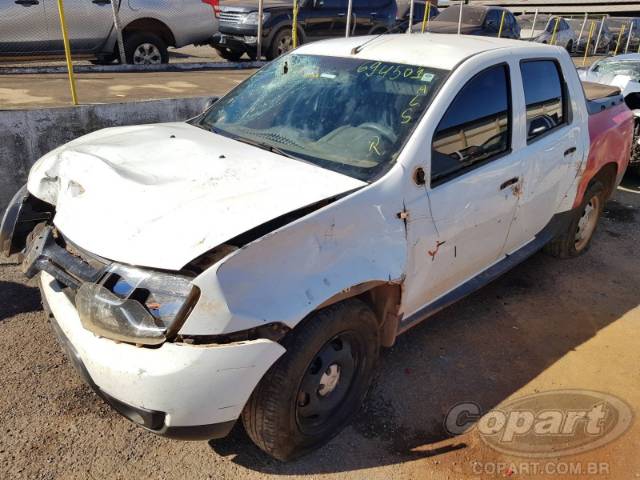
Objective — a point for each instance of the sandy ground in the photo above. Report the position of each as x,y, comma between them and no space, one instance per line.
549,324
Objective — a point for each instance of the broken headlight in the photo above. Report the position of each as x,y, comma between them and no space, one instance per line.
135,305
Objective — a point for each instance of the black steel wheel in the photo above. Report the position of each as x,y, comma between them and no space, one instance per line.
317,386
328,380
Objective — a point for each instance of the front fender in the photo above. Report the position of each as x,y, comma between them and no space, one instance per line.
287,274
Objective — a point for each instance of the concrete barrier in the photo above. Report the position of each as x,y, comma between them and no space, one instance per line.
26,135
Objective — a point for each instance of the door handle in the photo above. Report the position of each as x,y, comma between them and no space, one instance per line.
27,3
341,14
508,183
569,151
101,2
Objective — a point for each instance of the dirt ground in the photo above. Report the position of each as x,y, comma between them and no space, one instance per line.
549,324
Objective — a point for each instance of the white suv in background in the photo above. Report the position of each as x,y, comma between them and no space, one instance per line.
32,28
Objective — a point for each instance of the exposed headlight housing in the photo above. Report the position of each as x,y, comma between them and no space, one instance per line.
252,18
136,305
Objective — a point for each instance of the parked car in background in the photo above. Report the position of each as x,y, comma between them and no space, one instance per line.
578,25
623,72
317,20
32,28
616,25
419,7
530,30
250,263
476,20
548,29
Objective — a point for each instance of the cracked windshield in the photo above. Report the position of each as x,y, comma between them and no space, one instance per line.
347,115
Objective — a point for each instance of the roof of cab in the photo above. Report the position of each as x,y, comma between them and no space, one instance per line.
435,50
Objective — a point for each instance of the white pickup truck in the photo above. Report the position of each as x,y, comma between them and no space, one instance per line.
252,261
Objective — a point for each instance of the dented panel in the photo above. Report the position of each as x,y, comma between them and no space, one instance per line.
160,195
290,272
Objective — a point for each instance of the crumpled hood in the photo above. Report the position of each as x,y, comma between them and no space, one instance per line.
161,195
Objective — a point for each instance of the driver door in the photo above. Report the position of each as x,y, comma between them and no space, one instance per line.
472,192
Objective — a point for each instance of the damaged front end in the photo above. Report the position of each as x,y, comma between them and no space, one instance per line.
115,301
20,218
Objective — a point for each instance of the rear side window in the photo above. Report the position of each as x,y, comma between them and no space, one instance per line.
476,127
545,97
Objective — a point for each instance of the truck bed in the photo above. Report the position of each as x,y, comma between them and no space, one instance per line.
610,132
601,97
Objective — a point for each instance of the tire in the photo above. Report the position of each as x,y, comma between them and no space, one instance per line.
282,43
230,55
576,239
570,46
283,416
142,48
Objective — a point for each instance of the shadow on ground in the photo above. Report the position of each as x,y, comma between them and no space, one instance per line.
17,298
482,349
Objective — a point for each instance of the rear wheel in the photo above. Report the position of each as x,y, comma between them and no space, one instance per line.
282,43
142,48
576,239
570,46
312,391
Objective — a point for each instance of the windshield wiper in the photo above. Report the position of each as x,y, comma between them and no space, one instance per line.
255,143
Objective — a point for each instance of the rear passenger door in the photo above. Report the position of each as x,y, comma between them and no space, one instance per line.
88,23
23,28
552,149
366,13
325,19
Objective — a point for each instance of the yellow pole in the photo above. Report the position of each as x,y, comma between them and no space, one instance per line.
425,19
615,52
555,31
294,33
501,23
67,53
586,47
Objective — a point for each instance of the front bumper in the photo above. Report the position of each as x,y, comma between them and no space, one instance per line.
177,390
235,42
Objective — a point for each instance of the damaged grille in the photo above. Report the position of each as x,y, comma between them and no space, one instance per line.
67,265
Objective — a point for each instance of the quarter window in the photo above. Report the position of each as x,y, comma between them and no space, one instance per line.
476,127
545,97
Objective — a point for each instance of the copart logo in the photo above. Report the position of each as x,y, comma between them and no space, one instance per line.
547,424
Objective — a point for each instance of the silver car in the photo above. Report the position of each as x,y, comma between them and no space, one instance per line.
547,29
32,27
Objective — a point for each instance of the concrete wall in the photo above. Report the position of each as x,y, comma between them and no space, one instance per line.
26,135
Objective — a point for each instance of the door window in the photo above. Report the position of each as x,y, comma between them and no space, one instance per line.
545,97
476,127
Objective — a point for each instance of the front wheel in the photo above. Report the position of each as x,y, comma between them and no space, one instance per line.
311,392
570,46
229,54
576,238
